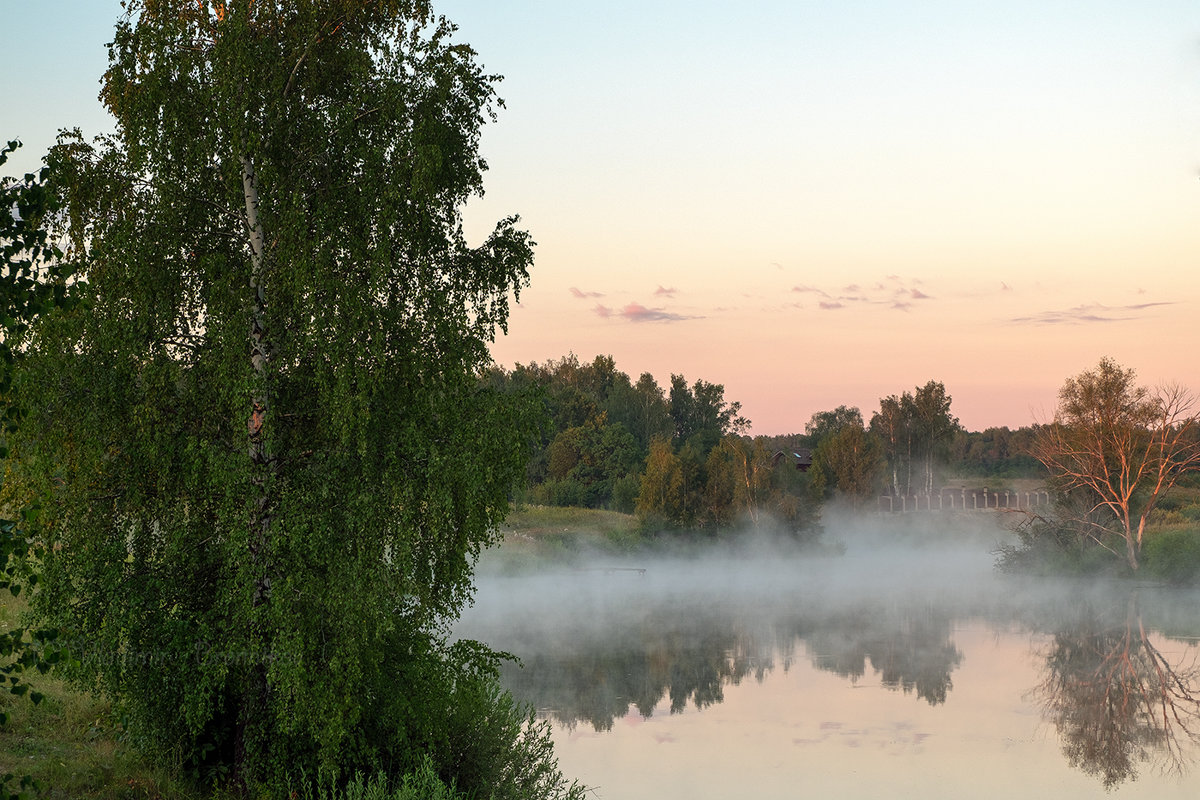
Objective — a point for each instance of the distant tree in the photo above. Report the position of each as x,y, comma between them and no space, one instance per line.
1123,446
994,452
932,426
740,479
640,407
914,427
893,425
848,462
825,423
721,483
701,414
662,494
586,461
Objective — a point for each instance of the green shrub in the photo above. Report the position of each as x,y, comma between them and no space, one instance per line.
1049,546
1191,512
421,784
1173,555
625,492
500,750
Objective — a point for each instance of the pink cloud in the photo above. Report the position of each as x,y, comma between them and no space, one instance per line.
636,312
602,311
661,290
813,289
828,306
584,295
917,294
1092,312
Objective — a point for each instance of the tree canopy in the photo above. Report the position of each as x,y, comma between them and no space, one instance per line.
269,459
915,427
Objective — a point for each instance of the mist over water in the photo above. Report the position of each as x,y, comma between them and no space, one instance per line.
676,646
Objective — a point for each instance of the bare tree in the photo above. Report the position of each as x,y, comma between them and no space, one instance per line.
1121,446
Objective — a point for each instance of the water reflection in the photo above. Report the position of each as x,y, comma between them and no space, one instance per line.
1119,692
909,651
1117,701
605,670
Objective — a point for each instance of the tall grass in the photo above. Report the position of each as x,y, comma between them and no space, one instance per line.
422,784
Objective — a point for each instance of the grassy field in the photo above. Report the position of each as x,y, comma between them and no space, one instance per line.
541,524
541,534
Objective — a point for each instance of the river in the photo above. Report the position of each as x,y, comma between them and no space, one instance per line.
897,663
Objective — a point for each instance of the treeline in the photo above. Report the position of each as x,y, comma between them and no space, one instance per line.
679,455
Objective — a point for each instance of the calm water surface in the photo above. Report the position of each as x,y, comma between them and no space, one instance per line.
899,666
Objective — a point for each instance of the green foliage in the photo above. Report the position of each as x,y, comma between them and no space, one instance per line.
34,282
995,453
1059,546
421,784
595,452
1173,555
600,426
701,414
848,462
487,745
662,494
585,462
258,549
916,429
741,480
826,423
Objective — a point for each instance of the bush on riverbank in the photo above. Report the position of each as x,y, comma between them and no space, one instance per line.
1170,551
1172,554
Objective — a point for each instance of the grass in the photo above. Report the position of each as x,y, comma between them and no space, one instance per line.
536,535
538,522
69,742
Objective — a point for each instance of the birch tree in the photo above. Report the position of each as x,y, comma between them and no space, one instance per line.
269,459
932,424
893,425
1120,446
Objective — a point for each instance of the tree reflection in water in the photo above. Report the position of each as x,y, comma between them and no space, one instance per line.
1117,701
690,657
912,652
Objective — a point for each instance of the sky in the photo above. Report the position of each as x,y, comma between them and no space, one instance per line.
812,203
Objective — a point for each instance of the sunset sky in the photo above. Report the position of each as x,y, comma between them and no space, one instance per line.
812,203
